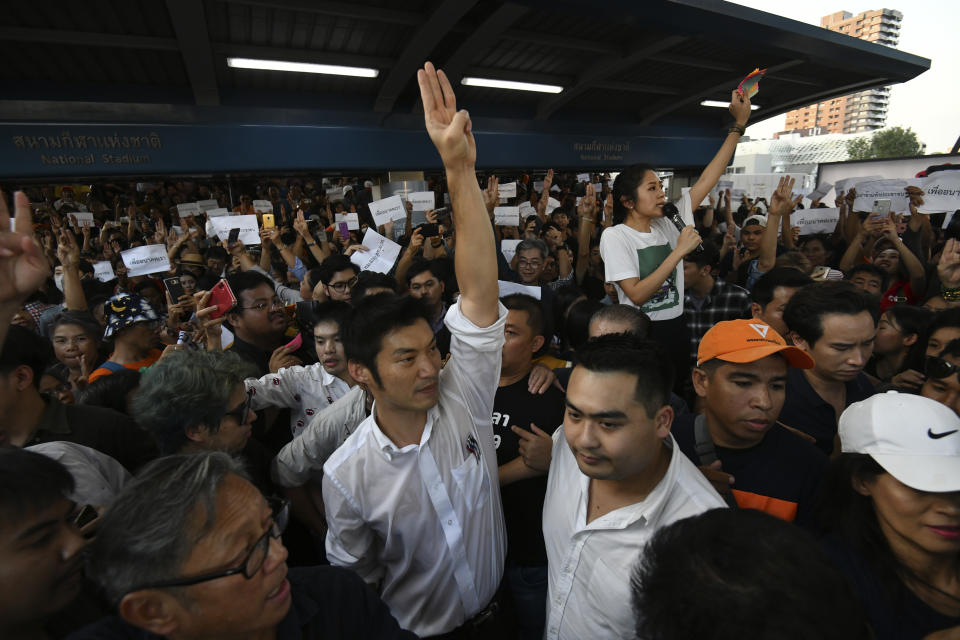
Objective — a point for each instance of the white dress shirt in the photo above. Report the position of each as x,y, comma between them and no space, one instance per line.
590,564
424,523
306,391
302,459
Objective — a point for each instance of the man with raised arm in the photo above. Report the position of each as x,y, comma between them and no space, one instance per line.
411,498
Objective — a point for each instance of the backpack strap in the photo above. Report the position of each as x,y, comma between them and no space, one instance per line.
707,452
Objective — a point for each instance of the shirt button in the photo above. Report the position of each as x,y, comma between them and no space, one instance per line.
449,521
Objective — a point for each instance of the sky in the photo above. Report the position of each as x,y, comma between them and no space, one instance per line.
930,103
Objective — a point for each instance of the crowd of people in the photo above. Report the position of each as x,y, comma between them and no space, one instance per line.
649,419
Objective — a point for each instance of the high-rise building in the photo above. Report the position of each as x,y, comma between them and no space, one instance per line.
858,112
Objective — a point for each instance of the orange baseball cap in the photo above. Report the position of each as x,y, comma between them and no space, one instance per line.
748,341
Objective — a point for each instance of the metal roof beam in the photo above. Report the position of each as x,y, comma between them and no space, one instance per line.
632,87
602,70
87,39
560,42
483,36
339,9
696,63
190,25
418,49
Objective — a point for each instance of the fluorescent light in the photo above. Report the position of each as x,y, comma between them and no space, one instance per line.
301,67
509,84
724,105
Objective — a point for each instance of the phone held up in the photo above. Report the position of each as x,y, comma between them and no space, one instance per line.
174,288
222,296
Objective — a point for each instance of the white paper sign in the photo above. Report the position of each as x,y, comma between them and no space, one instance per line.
555,188
527,209
508,190
387,209
551,205
822,189
335,194
506,288
941,192
140,261
188,209
735,196
506,216
382,254
509,248
538,185
892,190
352,220
103,271
723,185
84,218
816,220
219,211
249,229
263,206
206,205
845,184
915,182
422,200
583,177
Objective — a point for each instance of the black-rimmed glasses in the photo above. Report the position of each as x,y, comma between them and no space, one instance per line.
250,565
340,287
241,412
276,302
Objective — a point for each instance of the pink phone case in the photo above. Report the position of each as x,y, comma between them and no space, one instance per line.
296,343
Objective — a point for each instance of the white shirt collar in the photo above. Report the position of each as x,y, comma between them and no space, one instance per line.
386,445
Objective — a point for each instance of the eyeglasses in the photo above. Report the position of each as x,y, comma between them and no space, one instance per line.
533,264
276,302
250,565
242,412
340,287
939,368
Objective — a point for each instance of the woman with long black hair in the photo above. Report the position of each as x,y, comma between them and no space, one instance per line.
643,251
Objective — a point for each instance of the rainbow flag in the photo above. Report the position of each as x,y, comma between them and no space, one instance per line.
750,85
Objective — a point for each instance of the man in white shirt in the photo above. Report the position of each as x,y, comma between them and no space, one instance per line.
308,390
615,478
411,498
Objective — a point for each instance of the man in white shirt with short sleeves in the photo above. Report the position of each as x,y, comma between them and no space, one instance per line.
411,498
615,478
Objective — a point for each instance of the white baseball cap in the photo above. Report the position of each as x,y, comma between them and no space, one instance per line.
756,219
915,439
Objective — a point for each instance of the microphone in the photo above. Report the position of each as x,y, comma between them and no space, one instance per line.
670,211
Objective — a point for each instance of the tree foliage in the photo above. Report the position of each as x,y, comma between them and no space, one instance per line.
895,142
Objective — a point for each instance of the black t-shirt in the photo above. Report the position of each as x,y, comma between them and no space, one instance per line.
523,500
781,475
893,616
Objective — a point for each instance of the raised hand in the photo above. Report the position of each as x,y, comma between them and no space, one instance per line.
588,203
67,250
739,107
300,225
491,195
449,129
781,201
23,268
949,266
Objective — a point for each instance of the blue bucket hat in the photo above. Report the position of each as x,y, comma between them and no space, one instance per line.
125,309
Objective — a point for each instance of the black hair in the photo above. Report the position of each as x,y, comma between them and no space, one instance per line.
755,576
312,277
872,270
849,517
144,285
918,352
373,318
645,359
330,311
371,280
789,277
523,302
83,320
576,327
24,347
911,320
709,257
637,320
334,264
805,311
952,349
111,391
420,265
216,252
625,188
563,298
547,226
29,482
245,281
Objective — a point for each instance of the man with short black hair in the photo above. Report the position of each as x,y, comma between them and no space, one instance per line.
423,466
619,318
834,322
258,322
708,299
616,477
338,276
772,292
41,564
425,282
741,377
869,278
522,426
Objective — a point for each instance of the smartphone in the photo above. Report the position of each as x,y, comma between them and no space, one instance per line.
234,234
222,296
296,343
881,209
87,515
174,288
443,216
268,222
344,229
429,230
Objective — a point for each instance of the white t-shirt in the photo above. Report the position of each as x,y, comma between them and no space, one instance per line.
628,253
